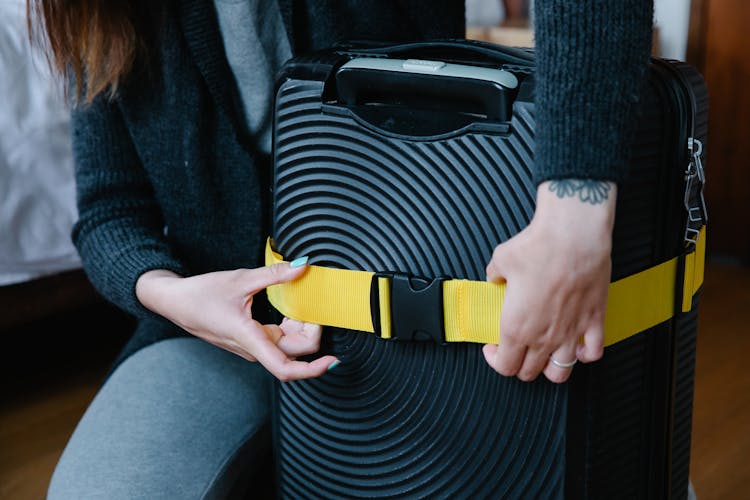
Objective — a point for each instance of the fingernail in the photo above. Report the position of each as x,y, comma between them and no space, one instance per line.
301,261
333,365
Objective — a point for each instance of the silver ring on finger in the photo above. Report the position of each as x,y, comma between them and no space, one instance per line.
563,365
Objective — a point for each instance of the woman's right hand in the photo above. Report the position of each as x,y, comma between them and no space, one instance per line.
216,307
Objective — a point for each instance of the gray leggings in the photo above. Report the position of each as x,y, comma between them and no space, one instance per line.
179,419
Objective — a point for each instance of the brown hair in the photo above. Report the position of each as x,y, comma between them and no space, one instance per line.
95,41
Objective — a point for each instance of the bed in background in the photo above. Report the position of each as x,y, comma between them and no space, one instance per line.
40,271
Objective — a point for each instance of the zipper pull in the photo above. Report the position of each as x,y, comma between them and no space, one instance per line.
695,175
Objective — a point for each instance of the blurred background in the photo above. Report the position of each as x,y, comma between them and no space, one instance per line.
58,337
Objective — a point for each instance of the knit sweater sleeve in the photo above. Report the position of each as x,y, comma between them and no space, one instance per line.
592,57
120,231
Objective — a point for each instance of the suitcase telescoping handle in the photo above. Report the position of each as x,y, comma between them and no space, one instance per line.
460,51
428,85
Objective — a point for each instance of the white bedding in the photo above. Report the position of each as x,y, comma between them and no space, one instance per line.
37,195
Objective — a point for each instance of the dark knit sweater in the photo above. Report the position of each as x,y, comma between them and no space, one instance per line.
591,59
167,176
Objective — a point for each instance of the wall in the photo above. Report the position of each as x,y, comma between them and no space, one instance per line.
672,17
722,53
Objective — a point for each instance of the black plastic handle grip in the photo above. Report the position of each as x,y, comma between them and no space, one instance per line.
363,86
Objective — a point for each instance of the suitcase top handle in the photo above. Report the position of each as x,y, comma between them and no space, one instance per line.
427,84
438,69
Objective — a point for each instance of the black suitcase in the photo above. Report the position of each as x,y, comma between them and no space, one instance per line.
369,174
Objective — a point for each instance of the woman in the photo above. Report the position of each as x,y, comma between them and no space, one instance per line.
171,121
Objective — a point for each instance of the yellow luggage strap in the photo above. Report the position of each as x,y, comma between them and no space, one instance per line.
396,306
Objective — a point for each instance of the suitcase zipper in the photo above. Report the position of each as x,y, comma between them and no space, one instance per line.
693,199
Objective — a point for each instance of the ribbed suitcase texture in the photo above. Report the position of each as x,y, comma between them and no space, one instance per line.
417,419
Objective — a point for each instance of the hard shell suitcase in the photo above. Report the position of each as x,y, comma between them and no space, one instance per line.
384,163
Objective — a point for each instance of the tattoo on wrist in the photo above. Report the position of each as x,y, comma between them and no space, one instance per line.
587,190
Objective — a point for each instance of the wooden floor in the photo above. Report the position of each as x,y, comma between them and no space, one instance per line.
720,456
49,372
45,391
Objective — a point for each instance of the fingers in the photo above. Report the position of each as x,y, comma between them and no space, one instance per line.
274,333
564,355
298,338
288,370
505,358
263,277
515,357
592,348
281,366
497,265
533,364
276,346
295,338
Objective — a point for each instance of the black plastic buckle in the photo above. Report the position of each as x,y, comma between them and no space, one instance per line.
416,307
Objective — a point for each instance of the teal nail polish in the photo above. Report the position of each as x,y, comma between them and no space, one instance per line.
334,365
299,262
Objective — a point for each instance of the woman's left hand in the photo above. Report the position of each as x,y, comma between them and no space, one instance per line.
557,274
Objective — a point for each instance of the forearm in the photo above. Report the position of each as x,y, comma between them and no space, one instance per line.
120,231
114,259
591,61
